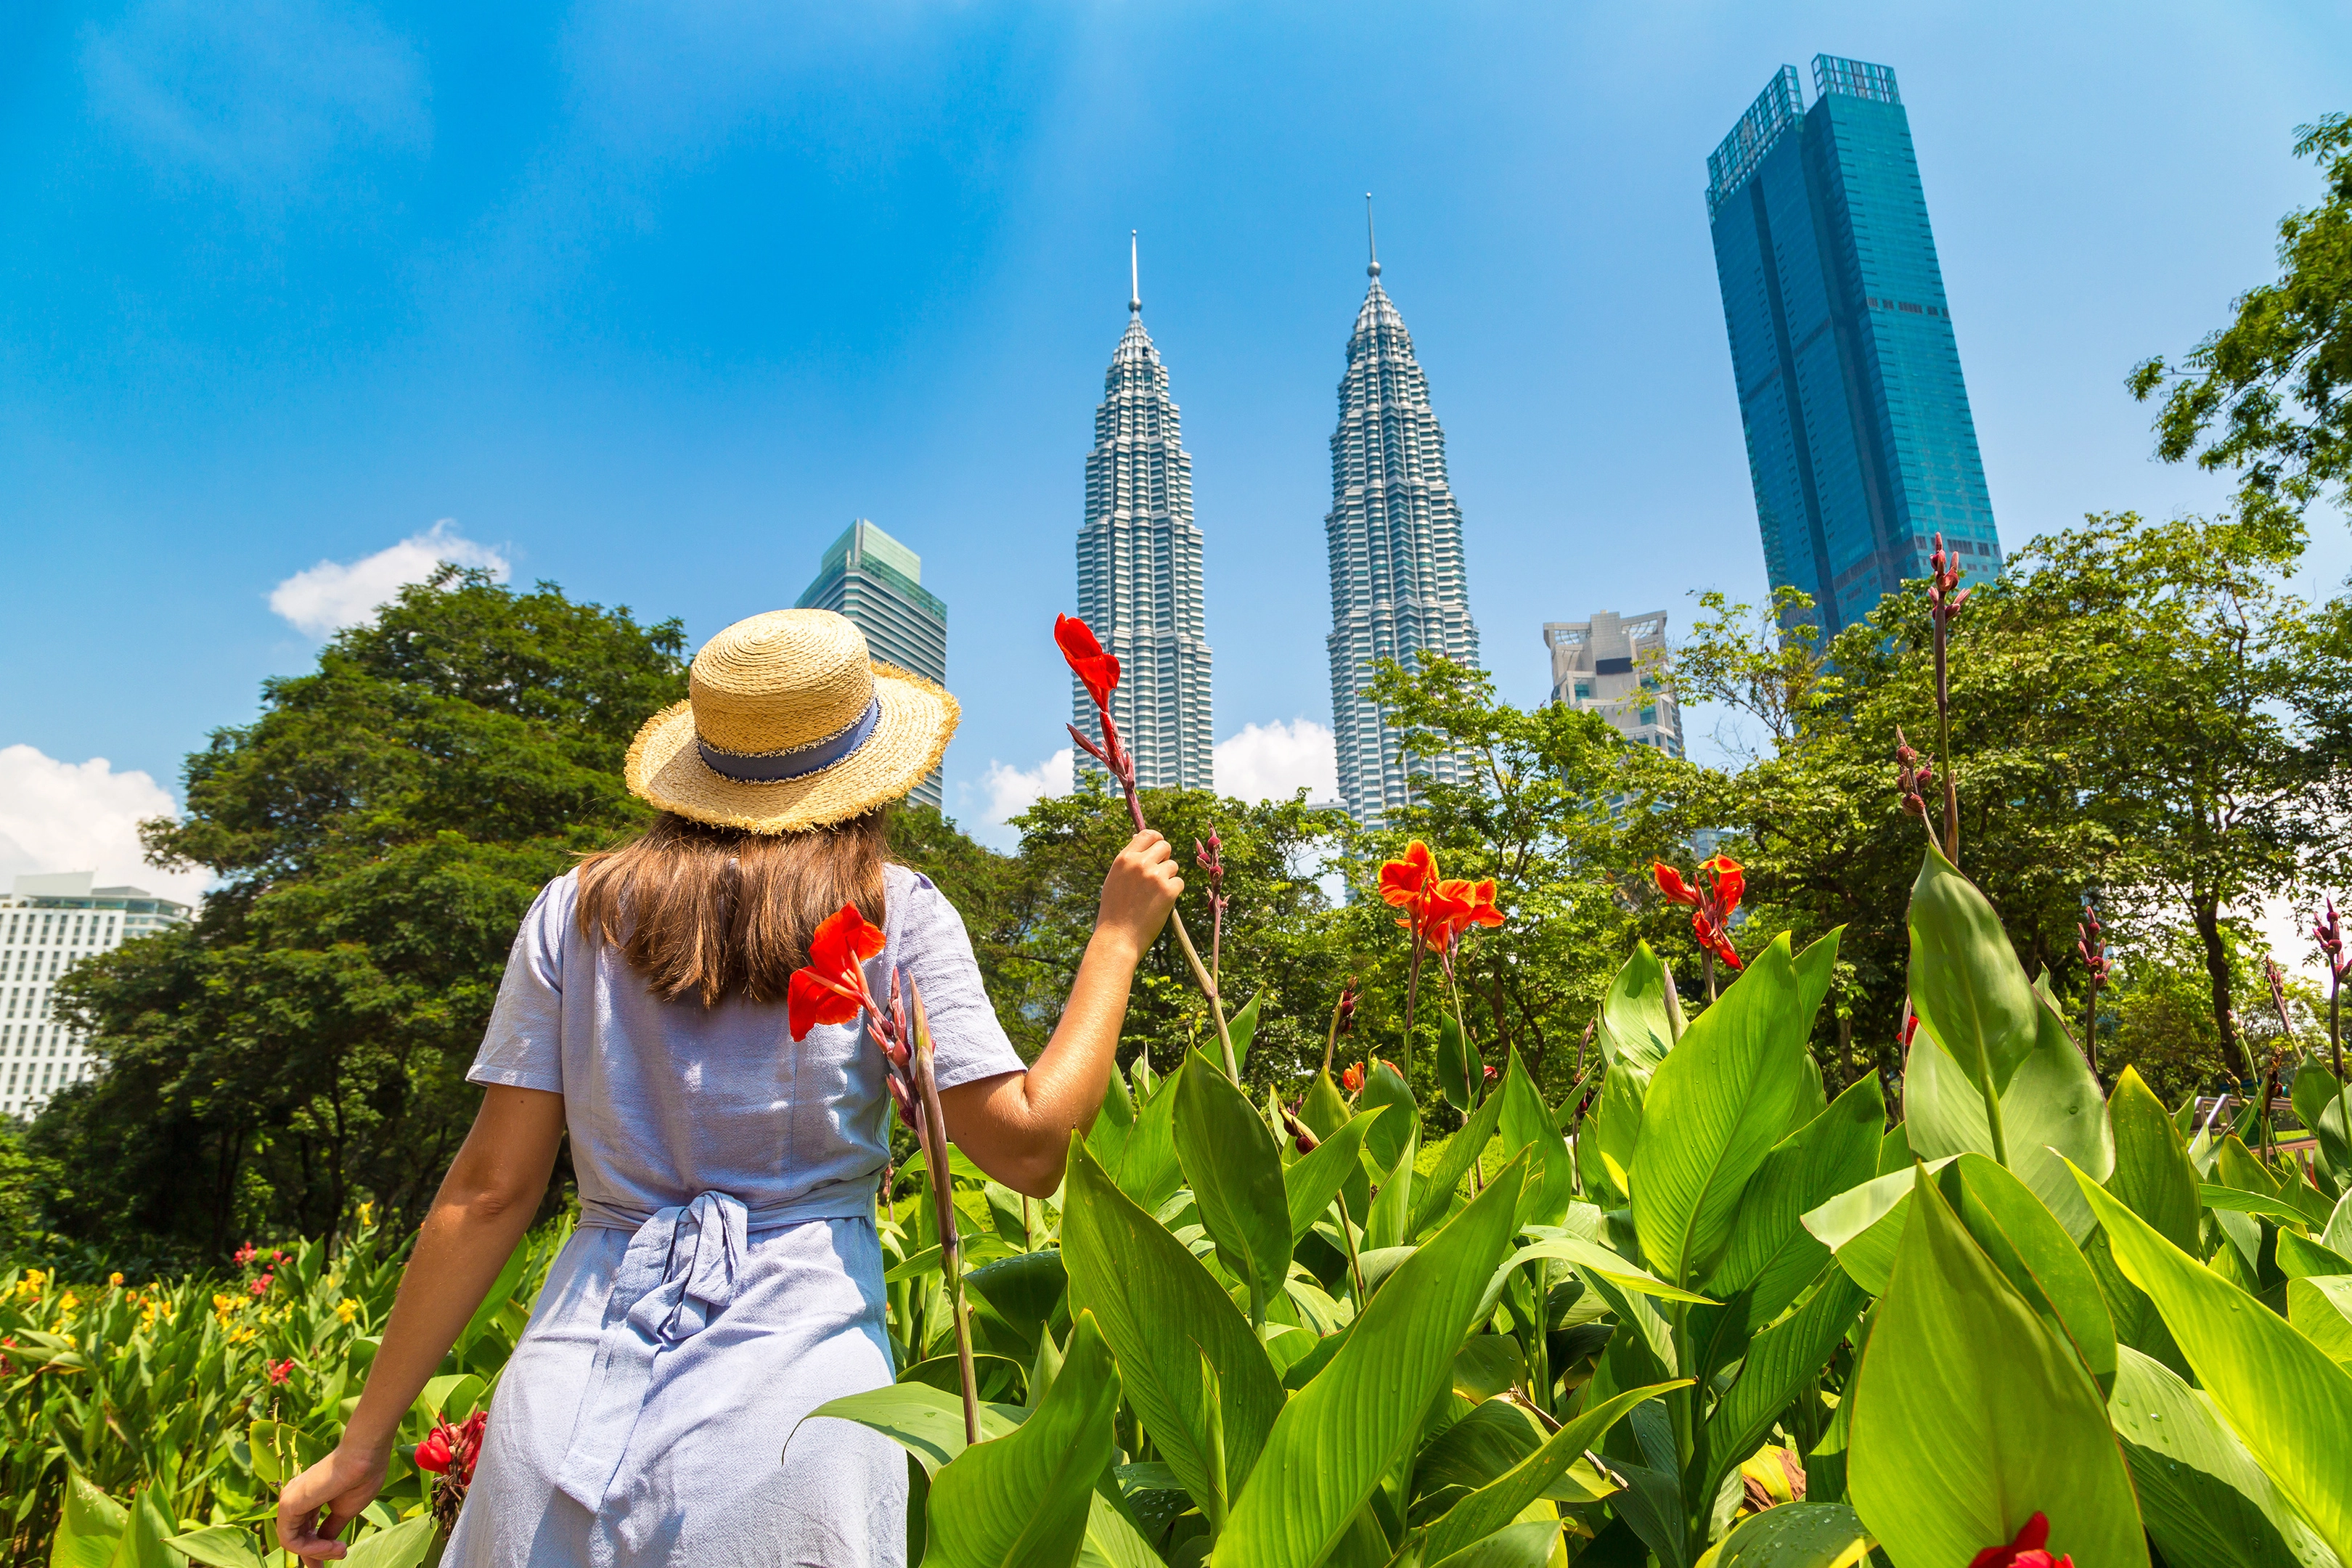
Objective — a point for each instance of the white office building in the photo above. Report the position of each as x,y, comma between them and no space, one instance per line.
1615,666
47,924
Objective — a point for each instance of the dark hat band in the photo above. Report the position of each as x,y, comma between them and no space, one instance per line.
775,767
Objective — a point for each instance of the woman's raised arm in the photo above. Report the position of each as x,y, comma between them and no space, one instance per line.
1017,1126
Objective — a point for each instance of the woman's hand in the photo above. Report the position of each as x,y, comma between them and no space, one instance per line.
1141,887
342,1483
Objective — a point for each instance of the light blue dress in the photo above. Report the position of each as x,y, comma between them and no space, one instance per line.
726,1278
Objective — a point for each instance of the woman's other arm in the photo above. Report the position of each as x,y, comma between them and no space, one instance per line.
1016,1127
485,1204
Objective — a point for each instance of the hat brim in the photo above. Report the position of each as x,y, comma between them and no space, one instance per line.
917,721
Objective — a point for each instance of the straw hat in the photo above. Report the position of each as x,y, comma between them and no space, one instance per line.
789,724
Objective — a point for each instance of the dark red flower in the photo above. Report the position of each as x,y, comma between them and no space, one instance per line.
2028,1550
1096,670
452,1450
831,988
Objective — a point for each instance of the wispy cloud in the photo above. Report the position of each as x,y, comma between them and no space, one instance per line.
325,598
1005,791
82,817
1266,760
260,94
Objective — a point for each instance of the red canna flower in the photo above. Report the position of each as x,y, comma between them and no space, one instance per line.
261,1286
1407,883
1721,881
246,1253
1444,913
2028,1550
280,1372
1351,1078
832,989
452,1450
1096,670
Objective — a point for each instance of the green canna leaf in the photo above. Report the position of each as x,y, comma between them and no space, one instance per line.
2153,1176
1966,983
1460,1073
1795,1535
1391,1207
2286,1401
925,1420
1112,1542
2300,1258
1525,1122
1834,1153
1495,1505
1149,1170
1385,1087
1638,1026
405,1546
2320,1307
1780,1363
1715,1107
92,1525
2033,1252
1353,1422
1241,1029
1312,1182
2051,1114
1433,1195
1022,1500
2202,1497
220,1546
1605,1147
1971,1413
1161,1310
1235,1173
1527,1545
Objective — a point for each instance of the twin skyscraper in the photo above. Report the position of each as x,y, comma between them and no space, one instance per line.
1861,449
1394,533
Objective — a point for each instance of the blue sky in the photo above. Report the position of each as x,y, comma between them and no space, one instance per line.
651,299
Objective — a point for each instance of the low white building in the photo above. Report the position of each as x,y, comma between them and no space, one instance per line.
47,924
1615,666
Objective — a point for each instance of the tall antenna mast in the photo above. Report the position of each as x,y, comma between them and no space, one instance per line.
1371,239
1134,278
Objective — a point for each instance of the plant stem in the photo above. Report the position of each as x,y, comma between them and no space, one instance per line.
1944,744
1412,995
934,1156
1992,1118
1331,1038
1355,1264
1201,974
1707,969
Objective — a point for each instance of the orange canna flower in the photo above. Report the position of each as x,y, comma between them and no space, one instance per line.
1407,883
1721,881
1351,1078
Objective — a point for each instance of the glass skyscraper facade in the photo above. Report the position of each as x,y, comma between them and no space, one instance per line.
1860,443
878,583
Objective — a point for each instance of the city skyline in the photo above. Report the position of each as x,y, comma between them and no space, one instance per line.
1860,441
878,583
511,302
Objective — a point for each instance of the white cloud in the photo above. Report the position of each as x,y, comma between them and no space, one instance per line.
1005,792
1266,761
82,817
332,595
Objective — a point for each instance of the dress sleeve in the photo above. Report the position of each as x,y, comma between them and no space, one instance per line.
967,1042
523,1047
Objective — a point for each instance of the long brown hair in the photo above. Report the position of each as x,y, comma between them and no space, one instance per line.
709,911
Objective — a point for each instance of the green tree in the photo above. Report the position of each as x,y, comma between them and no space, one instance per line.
378,833
1553,803
2266,394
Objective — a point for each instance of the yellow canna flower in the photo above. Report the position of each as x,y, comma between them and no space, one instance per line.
115,1280
367,1215
347,1309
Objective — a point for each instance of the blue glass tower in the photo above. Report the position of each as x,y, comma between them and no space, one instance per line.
1860,443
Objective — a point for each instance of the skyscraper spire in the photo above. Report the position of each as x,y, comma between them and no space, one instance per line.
1398,589
1140,574
1371,240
